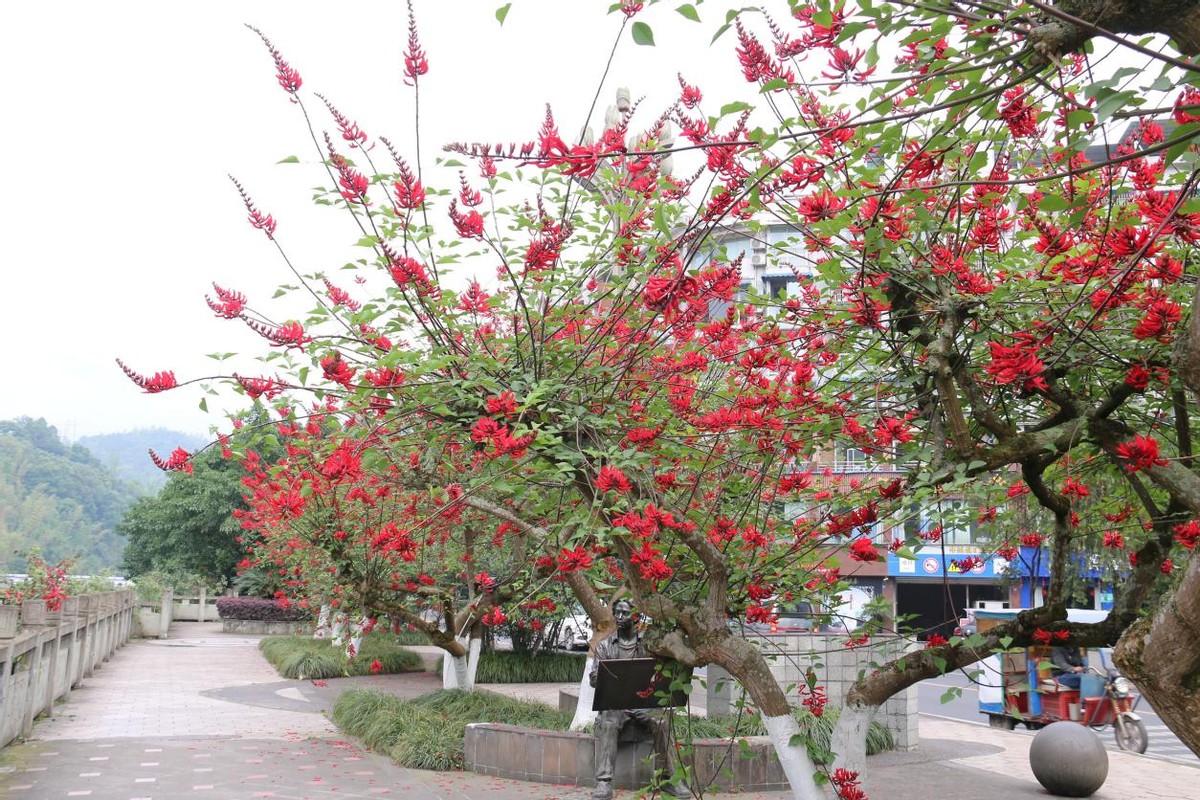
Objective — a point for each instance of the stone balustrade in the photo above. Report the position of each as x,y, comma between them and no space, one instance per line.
44,655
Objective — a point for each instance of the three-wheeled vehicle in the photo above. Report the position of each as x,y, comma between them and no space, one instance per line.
1019,686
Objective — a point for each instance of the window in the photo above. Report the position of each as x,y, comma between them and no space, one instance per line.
851,459
781,287
718,308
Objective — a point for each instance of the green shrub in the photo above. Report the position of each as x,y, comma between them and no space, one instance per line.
427,732
302,657
412,637
539,667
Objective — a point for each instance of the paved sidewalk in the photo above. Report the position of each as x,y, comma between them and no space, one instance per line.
204,716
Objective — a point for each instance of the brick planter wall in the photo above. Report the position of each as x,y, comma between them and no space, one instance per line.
566,758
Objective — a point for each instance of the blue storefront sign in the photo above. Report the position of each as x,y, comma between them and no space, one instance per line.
938,563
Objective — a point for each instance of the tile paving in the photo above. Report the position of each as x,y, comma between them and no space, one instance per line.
204,716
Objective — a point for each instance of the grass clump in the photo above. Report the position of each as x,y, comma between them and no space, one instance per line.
302,657
538,667
427,732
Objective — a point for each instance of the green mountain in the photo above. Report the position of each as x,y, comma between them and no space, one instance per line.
59,498
125,454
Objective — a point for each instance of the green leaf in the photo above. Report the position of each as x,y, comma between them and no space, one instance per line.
951,694
502,12
688,10
289,160
642,34
203,405
734,108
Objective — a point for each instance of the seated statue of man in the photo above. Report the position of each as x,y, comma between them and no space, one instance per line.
626,643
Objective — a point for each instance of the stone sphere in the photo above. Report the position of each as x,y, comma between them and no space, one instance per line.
1068,759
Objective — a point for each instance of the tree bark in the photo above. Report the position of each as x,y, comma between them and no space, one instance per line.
1161,655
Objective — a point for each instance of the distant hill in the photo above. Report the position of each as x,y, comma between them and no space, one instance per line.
59,498
126,453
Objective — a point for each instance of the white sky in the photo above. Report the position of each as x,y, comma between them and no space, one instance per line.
123,119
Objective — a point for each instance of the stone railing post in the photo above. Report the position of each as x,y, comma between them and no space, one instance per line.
33,618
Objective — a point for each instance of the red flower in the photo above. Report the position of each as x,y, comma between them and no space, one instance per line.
494,616
180,461
1018,363
1186,106
376,667
1042,636
416,63
574,560
1138,378
469,225
505,403
288,78
1020,117
861,549
260,221
1188,534
159,382
1114,540
337,370
229,304
1159,323
1141,452
612,479
935,640
1032,540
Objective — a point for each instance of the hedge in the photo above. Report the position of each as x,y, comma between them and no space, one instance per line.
260,609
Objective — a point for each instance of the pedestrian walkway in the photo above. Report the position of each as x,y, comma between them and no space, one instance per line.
204,716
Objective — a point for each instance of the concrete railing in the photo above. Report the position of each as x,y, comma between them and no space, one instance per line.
53,651
154,617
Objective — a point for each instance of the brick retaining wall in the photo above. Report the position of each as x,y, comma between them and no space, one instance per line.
566,758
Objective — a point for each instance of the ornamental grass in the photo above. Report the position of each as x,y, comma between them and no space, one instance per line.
428,732
538,667
305,658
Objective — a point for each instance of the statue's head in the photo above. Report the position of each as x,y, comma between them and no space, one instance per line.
623,614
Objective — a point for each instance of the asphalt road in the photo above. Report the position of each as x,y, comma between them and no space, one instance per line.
953,696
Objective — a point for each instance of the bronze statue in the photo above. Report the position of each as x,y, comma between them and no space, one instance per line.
626,643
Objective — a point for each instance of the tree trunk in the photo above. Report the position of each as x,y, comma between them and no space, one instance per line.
1161,655
584,715
746,664
459,670
849,739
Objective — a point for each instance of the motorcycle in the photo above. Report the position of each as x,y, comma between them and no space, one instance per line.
1018,686
1115,708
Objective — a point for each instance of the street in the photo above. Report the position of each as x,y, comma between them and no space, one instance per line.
941,697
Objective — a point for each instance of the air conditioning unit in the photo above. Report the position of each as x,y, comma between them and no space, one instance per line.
758,259
991,605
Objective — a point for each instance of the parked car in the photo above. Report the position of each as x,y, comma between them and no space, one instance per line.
575,630
794,617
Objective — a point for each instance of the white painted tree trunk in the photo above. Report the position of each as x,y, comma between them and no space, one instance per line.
458,672
322,631
584,715
798,768
849,738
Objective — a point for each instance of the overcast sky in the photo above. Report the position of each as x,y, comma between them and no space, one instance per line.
123,119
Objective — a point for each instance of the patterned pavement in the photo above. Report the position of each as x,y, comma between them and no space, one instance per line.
205,717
